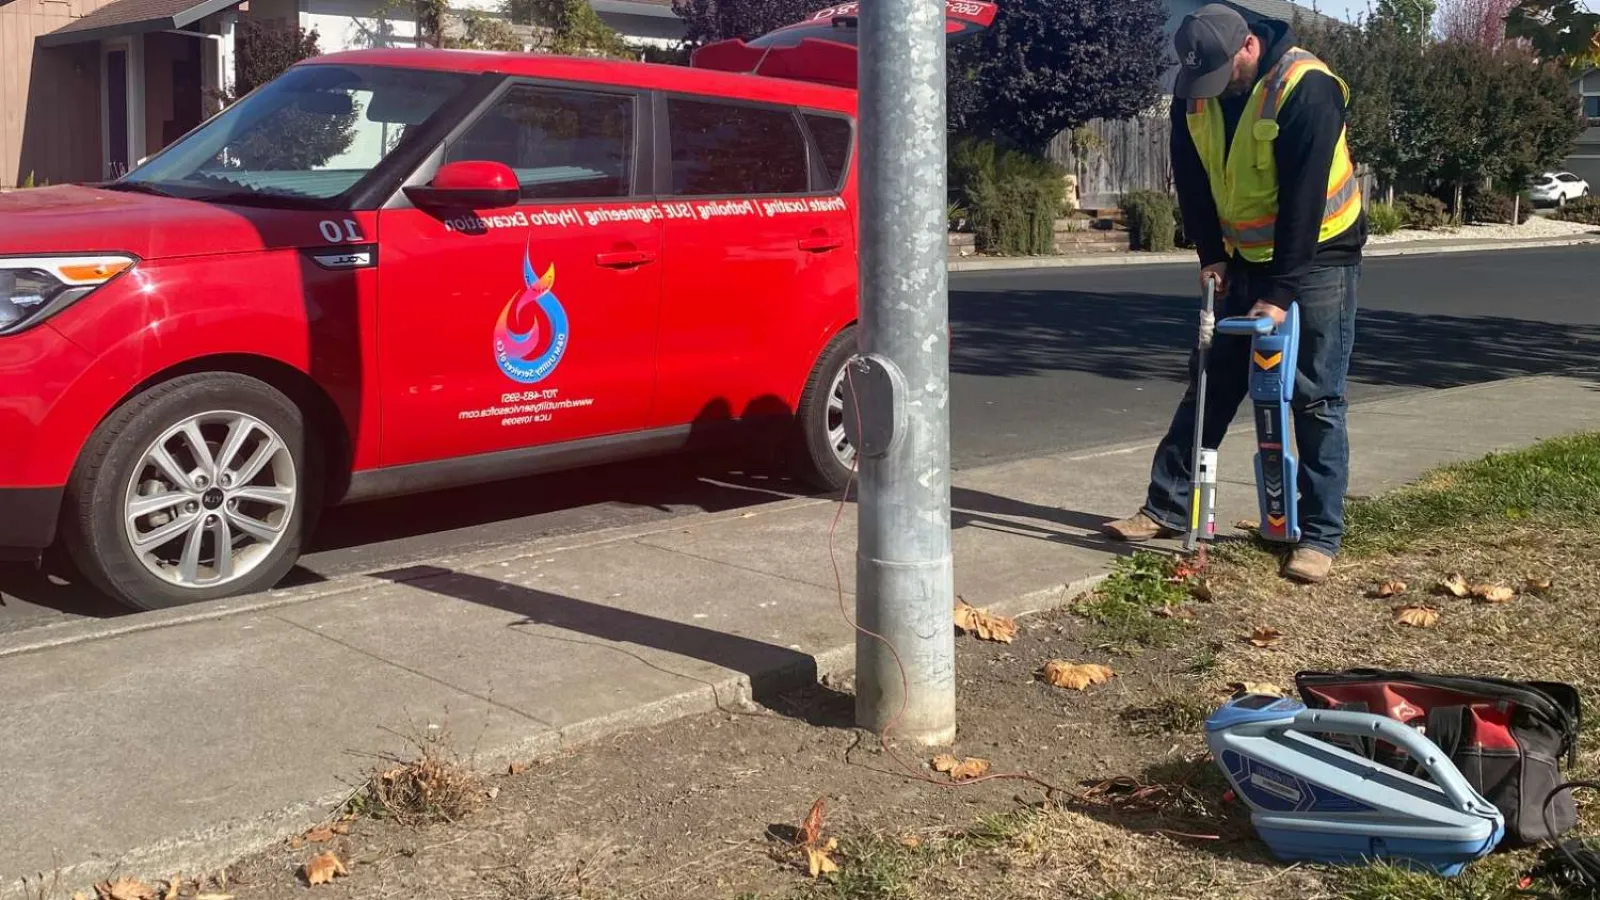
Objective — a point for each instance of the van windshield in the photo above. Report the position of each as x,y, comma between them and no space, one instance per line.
302,139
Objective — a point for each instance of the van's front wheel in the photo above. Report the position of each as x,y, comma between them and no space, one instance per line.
825,458
196,489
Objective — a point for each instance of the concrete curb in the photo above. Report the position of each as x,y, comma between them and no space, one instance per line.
1378,251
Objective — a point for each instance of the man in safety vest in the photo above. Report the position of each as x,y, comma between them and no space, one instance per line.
1269,197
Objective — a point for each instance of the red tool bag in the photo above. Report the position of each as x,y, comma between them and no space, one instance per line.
1506,737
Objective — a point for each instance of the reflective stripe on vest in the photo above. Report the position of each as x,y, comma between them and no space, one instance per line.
1244,177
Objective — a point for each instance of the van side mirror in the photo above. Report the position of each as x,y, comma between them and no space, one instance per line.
469,184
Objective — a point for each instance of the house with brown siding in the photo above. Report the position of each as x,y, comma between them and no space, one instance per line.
88,88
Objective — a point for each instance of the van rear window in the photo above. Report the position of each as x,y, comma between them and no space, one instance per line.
726,148
832,135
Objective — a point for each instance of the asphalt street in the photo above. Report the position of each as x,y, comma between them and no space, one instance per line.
1044,361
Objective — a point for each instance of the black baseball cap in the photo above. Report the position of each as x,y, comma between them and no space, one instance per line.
1206,43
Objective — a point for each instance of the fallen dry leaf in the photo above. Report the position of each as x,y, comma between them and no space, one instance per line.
1076,676
1184,570
492,792
172,888
517,768
1174,612
1455,586
1493,593
986,625
1200,589
79,895
1257,687
213,897
1389,589
1265,636
1417,616
811,828
1247,525
125,888
819,862
1538,585
323,867
911,842
960,769
320,834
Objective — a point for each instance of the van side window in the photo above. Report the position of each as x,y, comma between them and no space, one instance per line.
832,135
723,148
563,145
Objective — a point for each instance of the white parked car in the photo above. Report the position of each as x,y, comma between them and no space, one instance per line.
1556,188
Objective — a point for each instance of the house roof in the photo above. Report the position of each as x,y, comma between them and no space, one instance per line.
124,17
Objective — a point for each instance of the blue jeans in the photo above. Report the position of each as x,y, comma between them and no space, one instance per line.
1327,333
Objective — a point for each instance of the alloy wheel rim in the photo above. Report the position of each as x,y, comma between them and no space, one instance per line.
838,439
210,499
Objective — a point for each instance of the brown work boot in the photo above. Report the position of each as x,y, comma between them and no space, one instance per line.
1308,566
1137,528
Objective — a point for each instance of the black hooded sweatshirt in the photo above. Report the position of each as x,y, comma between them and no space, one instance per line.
1309,127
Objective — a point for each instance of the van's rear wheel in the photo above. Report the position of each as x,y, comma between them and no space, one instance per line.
198,488
825,458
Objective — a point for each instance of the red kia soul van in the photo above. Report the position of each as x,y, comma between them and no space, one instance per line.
393,271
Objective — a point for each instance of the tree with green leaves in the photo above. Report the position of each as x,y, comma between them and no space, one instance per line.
1412,20
1562,30
708,21
1457,116
1047,66
262,53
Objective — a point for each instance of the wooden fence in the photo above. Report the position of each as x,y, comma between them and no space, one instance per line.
1111,158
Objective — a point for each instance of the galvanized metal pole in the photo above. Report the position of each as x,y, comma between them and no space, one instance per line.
901,382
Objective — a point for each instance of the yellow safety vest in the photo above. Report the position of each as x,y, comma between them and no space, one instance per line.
1244,180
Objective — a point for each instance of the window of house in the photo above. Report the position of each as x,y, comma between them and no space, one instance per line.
832,135
563,144
1591,106
725,148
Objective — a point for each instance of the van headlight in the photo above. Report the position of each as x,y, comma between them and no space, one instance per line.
34,287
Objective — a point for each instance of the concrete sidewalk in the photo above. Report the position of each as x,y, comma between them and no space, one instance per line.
179,740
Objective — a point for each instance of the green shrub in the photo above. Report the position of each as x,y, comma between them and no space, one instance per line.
1582,209
1494,208
1152,220
1421,211
1012,197
1384,218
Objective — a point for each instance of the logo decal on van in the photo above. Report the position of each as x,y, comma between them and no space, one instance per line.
531,337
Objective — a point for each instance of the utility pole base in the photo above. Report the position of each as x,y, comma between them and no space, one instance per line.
910,606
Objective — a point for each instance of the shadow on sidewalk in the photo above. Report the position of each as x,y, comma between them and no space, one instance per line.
980,509
771,670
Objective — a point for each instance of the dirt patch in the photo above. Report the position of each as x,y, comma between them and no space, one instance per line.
711,807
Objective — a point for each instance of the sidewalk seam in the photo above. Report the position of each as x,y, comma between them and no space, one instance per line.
420,674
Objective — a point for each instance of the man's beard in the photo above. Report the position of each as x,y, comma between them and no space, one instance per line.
1244,79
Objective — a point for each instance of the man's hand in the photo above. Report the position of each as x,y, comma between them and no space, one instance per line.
1276,313
1217,273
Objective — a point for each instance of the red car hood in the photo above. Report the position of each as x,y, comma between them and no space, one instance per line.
74,219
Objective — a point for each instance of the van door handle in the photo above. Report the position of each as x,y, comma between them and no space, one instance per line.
820,243
624,259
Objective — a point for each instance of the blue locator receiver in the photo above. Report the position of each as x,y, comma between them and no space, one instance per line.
1274,353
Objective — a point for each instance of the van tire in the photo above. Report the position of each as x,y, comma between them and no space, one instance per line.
99,525
814,461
